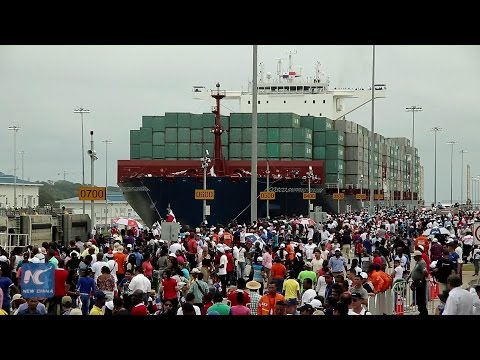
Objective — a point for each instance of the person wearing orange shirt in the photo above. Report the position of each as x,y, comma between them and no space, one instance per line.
121,259
278,273
290,253
422,240
227,238
376,279
267,303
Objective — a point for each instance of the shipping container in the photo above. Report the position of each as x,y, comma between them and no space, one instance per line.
306,122
158,152
302,151
236,120
273,120
236,150
134,137
225,120
146,135
135,151
196,135
273,135
335,178
235,135
343,126
289,120
354,153
196,121
171,135
285,134
354,128
183,136
158,138
357,181
183,120
354,168
171,120
225,152
262,150
208,120
354,139
334,166
146,150
322,124
286,150
273,150
247,135
171,150
147,121
334,137
208,136
197,151
262,135
247,150
262,120
319,138
301,135
158,123
319,153
334,152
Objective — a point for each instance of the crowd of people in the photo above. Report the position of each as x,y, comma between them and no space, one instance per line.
278,266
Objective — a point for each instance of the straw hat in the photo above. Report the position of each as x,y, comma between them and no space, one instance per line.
253,285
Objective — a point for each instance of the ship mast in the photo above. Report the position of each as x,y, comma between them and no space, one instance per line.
219,162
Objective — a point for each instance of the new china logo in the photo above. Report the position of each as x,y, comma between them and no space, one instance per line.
37,280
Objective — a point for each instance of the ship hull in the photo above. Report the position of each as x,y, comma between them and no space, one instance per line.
151,196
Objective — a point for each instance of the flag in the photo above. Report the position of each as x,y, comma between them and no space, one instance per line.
212,172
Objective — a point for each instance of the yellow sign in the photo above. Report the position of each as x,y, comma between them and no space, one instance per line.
338,196
201,194
309,196
92,193
267,195
361,196
378,196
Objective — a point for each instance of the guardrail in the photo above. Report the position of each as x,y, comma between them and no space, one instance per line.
10,241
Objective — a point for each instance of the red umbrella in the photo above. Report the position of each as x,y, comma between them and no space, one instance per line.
305,222
127,222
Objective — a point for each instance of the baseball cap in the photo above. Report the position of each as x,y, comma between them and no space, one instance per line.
172,255
364,275
100,295
259,259
306,307
417,253
3,258
16,297
67,300
421,247
316,304
76,311
356,295
292,302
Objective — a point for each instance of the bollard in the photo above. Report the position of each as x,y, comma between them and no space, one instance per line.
399,304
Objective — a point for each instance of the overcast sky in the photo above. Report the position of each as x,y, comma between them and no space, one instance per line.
41,85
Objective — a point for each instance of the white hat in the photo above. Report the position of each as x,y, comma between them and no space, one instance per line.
89,243
195,271
227,248
298,255
450,241
221,249
337,249
3,258
316,304
308,264
364,275
172,255
435,239
109,305
40,257
75,311
433,265
421,247
396,258
282,246
259,259
129,245
417,253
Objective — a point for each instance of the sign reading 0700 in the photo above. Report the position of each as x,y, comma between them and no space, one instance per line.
92,193
37,280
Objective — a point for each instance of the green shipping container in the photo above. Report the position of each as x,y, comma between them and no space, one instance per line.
334,178
196,121
183,150
209,147
225,152
247,135
146,135
171,120
225,121
183,120
319,153
135,151
289,120
334,137
171,151
207,135
286,135
262,135
247,120
158,138
147,121
302,135
235,135
208,120
159,152
322,124
236,120
183,136
171,136
134,137
306,122
273,150
273,135
273,120
319,138
158,123
247,151
235,150
262,150
146,150
262,120
286,150
196,135
196,151
335,152
302,151
332,166
224,138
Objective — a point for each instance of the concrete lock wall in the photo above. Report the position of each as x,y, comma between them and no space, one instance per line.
3,231
71,226
38,227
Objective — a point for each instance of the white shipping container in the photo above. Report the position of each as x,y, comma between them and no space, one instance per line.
354,139
353,167
354,153
344,126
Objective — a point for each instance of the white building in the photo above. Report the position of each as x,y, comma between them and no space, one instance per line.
27,192
116,206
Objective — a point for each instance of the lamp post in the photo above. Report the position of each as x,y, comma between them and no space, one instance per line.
435,129
372,137
254,162
361,188
461,186
268,189
23,179
205,161
452,143
413,109
93,156
107,142
15,129
82,111
309,177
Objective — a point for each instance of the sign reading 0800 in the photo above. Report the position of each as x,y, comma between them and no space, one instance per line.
92,193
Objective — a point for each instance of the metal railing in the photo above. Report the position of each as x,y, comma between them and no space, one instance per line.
10,241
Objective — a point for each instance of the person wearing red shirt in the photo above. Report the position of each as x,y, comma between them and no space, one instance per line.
139,307
425,257
60,288
232,297
230,265
192,250
227,238
168,289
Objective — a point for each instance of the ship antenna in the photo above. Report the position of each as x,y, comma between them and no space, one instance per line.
317,70
290,62
279,69
262,71
217,130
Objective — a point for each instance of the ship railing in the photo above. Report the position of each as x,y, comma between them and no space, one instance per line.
219,92
331,185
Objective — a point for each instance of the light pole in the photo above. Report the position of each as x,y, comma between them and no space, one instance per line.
82,111
93,156
361,188
107,142
253,170
372,137
461,186
435,129
14,128
452,143
268,189
413,109
205,161
309,178
23,179
338,192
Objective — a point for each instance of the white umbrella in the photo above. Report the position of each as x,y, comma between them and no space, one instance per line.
127,222
436,231
254,238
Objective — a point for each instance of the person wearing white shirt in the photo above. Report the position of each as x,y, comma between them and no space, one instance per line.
476,260
139,281
309,249
174,247
190,298
324,234
459,301
467,245
321,286
476,300
308,293
97,266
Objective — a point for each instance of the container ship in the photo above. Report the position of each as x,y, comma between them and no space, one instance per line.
305,144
